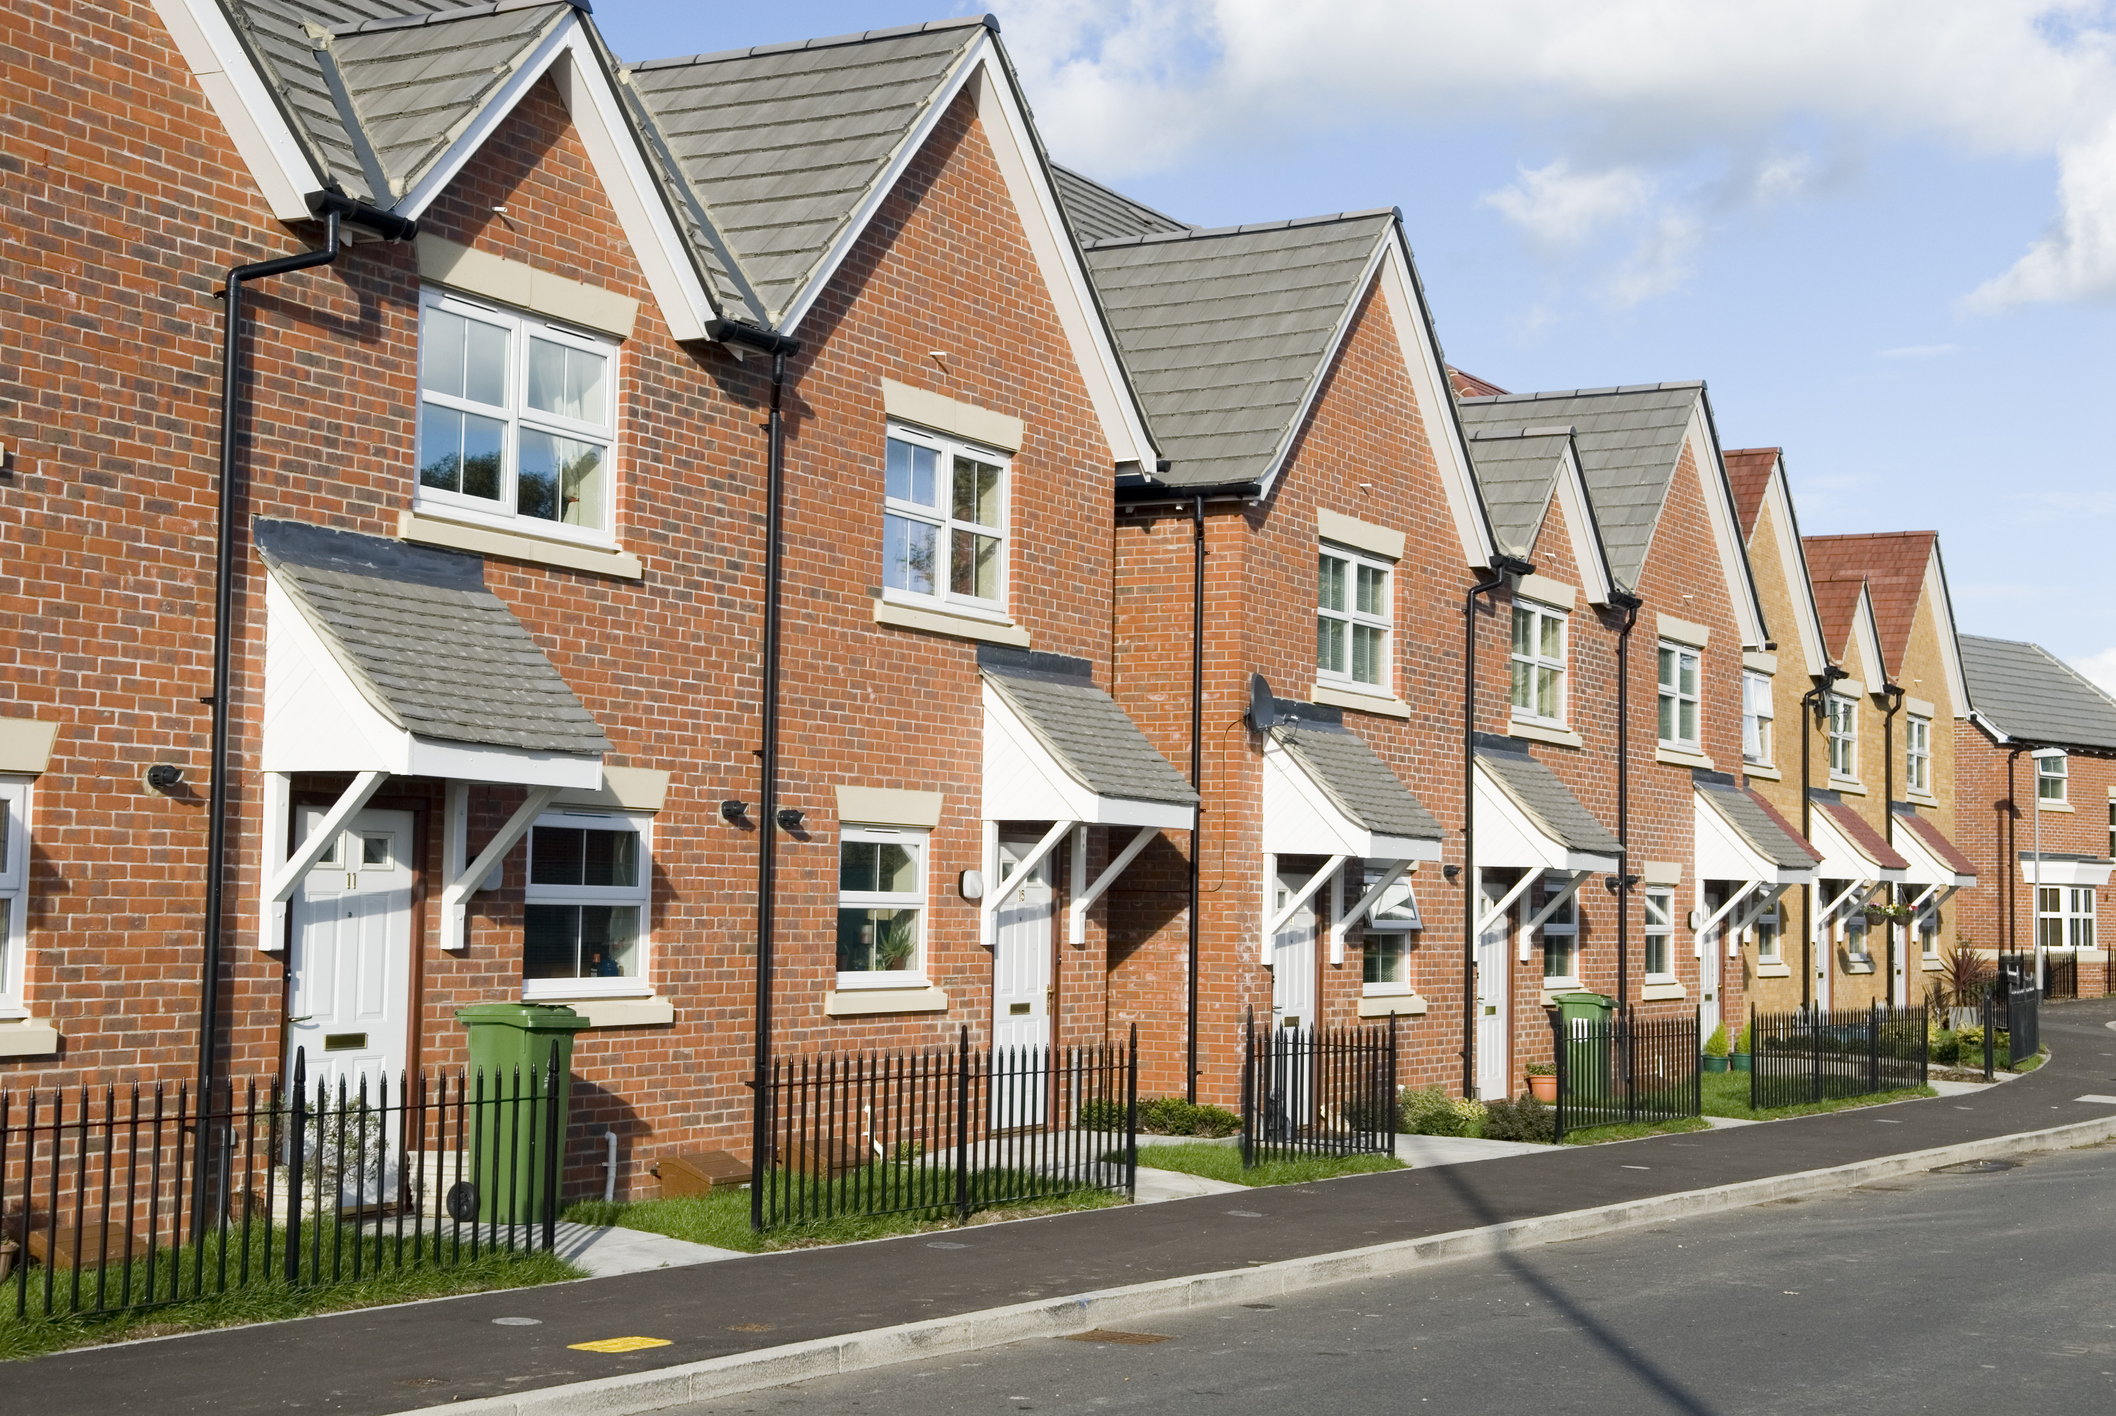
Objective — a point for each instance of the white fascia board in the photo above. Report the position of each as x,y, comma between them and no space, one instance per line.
1410,848
1581,530
1436,400
1127,811
262,136
2092,873
1866,636
1925,867
1025,781
1792,564
1726,526
479,762
1941,600
1841,858
1723,853
1298,815
1508,838
443,169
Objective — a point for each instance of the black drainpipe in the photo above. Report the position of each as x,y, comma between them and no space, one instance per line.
1197,781
1813,704
1501,568
394,228
1893,693
1629,604
779,347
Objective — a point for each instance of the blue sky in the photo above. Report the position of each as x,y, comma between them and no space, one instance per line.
1884,232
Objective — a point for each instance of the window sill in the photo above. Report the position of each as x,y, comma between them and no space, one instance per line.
1652,992
620,1012
1361,700
1849,786
1545,732
1858,966
27,1037
1399,1005
1922,799
426,529
1935,966
1758,769
861,1002
1682,757
574,990
2063,806
1560,985
1773,968
951,623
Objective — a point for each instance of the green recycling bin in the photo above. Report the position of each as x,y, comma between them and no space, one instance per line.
1584,1020
516,1114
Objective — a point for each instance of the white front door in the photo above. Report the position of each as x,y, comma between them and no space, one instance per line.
350,959
1494,1057
1021,989
1293,956
1711,951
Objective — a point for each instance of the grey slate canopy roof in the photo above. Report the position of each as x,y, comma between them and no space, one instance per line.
1082,727
1099,213
1549,802
425,642
1227,332
1629,440
1518,470
782,144
1757,824
2033,695
1357,780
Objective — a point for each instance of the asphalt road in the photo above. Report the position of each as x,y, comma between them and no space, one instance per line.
1989,1291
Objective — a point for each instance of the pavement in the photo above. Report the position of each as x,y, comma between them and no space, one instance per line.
940,1290
606,1251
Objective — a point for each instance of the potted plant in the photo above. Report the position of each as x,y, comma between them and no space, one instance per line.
1542,1080
1716,1050
1740,1056
1879,912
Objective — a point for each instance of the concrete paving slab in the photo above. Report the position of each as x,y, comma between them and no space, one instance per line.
1427,1151
606,1250
1160,1186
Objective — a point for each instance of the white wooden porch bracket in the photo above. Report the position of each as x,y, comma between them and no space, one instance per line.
1300,897
286,876
455,896
1358,912
1828,913
1697,943
998,893
1573,881
1506,902
1765,898
1076,929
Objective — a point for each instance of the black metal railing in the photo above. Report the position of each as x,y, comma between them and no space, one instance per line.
1626,1068
2060,975
1318,1091
1813,1054
946,1130
123,1199
2015,1009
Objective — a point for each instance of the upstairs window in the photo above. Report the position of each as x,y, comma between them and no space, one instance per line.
1539,663
1352,619
516,419
2050,778
1678,696
1843,738
1756,719
944,522
1917,755
584,918
14,891
881,907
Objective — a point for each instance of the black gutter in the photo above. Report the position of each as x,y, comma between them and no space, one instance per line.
1892,693
1148,492
332,208
1630,604
778,346
1197,781
1501,568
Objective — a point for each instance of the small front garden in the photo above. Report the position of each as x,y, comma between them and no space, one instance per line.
1225,1163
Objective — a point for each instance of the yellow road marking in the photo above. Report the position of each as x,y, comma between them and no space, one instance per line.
619,1344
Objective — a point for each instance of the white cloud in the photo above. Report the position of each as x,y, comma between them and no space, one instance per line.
1624,94
1920,351
2099,667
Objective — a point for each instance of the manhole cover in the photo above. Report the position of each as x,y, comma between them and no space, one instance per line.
1978,1167
1130,1339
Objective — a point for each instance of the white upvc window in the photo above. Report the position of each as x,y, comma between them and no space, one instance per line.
1852,929
586,912
1843,737
517,420
1917,755
881,907
14,892
1561,932
1925,923
1660,932
1678,695
1539,687
1392,934
2112,828
2064,917
1756,718
1352,618
2051,775
1769,929
944,522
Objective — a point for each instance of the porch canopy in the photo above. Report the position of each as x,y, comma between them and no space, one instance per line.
1938,867
1852,852
1742,839
1059,749
1529,820
2065,868
1327,793
384,659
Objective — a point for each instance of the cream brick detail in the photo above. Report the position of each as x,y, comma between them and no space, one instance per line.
1684,632
1359,535
623,789
25,745
951,415
1538,732
1544,590
1402,1005
1760,661
886,806
1661,872
526,287
621,1012
28,1037
1662,992
1388,705
861,1002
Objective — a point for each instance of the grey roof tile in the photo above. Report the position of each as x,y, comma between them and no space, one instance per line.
1362,785
1099,213
1548,801
1083,727
427,644
2033,695
1518,474
1756,822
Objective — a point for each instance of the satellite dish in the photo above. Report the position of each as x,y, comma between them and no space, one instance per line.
1263,708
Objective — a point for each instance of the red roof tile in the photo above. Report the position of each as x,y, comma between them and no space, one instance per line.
1792,832
1470,386
1749,469
1864,838
1935,840
1893,566
1836,601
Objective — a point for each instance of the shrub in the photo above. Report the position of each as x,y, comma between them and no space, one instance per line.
1522,1119
1716,1044
1541,1069
1360,1114
1430,1111
1943,1045
1101,1116
1741,1040
1173,1116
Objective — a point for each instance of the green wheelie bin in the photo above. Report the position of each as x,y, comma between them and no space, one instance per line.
1583,1018
517,1113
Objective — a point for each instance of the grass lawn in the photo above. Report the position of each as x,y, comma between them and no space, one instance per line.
266,1299
1225,1163
1727,1094
1633,1130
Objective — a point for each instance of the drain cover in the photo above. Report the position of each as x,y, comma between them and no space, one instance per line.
1978,1167
1130,1339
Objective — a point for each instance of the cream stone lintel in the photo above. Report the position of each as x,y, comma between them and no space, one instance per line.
861,1002
1661,872
1543,732
1543,590
1402,1005
1359,535
525,287
887,806
942,622
1919,708
1760,661
623,789
1387,706
1848,688
1684,632
25,745
951,415
517,545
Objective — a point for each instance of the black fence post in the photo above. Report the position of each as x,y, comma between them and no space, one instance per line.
1755,1059
1873,1046
1558,1061
297,1162
1392,1093
1990,1032
1697,1064
962,1125
1131,1116
1248,1088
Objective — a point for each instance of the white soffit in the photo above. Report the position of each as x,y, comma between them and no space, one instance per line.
1723,853
1436,399
2094,873
1841,859
1024,781
1508,837
1300,818
1925,867
1726,528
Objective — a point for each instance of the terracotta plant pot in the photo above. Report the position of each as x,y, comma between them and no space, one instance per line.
1544,1087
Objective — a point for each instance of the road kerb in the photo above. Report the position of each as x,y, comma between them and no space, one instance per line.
739,1372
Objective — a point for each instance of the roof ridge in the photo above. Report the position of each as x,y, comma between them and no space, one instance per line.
1540,430
474,11
1193,232
1611,390
835,41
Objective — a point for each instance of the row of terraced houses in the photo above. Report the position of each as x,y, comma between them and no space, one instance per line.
1164,631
